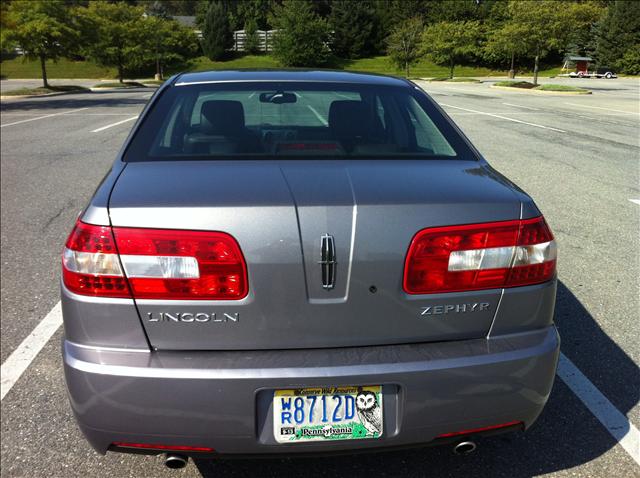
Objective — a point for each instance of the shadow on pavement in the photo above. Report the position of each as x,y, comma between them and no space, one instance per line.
51,104
566,434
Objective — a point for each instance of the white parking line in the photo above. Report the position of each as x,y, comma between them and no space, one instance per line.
619,426
521,106
322,120
21,358
635,201
71,114
43,117
114,124
504,118
606,109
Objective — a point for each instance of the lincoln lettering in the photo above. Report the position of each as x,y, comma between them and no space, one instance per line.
192,317
454,308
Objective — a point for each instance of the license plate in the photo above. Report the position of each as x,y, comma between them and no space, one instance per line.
328,413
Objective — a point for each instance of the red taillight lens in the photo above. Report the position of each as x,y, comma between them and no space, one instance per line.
171,264
480,256
157,263
155,446
480,430
90,264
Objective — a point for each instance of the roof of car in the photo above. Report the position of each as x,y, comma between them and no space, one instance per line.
329,76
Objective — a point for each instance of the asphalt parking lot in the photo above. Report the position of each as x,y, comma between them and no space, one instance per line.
578,156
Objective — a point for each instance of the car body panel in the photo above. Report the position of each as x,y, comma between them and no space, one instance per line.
223,399
278,211
211,384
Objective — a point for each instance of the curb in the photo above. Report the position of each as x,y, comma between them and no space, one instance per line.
56,93
115,88
541,92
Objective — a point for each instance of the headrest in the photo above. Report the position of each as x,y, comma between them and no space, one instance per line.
349,119
222,117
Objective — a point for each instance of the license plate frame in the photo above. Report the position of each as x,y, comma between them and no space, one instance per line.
298,417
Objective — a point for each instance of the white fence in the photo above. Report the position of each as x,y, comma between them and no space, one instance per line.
265,40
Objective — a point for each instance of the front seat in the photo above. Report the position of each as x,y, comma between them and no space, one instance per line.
354,124
221,130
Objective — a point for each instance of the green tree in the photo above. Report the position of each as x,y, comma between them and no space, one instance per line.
504,43
251,11
546,25
404,43
449,43
167,43
115,35
217,32
251,39
302,36
619,36
354,28
41,28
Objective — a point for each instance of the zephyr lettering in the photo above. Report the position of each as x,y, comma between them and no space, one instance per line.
454,308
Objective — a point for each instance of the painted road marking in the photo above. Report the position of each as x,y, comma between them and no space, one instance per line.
521,106
114,124
619,426
626,434
70,114
635,201
505,118
21,358
43,117
606,109
322,120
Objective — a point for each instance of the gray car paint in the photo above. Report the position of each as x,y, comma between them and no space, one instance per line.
478,369
222,399
277,211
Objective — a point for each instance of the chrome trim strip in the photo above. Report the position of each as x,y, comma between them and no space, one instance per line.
100,348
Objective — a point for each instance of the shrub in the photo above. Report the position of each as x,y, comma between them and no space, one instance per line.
302,36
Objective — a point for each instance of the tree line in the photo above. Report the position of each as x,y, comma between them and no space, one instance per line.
113,34
131,35
492,33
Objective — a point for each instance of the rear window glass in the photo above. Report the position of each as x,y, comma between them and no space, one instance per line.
297,119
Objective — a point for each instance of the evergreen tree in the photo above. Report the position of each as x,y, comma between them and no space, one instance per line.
302,36
619,35
217,33
354,27
251,39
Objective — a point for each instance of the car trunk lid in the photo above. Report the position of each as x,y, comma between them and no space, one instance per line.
279,212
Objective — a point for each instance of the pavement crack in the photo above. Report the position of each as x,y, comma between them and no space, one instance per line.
68,204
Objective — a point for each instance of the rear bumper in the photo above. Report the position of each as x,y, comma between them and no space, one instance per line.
222,400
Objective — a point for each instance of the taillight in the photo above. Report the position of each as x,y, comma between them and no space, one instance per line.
90,264
480,256
157,263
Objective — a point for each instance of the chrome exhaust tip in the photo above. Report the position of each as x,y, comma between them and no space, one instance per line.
464,448
175,462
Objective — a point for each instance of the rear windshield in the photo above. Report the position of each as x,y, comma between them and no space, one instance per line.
293,119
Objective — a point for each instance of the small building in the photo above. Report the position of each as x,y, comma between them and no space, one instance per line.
581,63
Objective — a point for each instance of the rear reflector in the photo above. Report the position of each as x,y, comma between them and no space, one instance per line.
153,263
155,446
480,256
479,430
